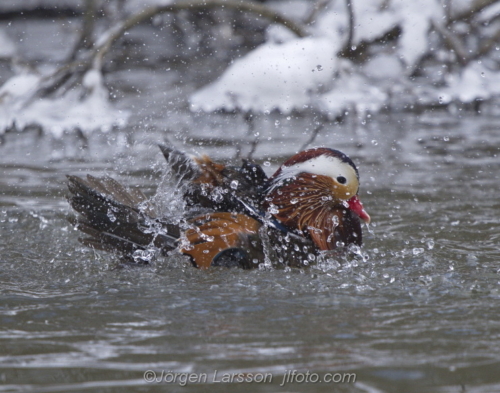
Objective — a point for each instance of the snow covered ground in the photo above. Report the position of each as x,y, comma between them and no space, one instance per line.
284,75
86,109
291,74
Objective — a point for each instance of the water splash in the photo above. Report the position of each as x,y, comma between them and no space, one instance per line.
147,256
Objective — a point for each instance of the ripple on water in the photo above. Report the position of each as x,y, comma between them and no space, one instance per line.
418,303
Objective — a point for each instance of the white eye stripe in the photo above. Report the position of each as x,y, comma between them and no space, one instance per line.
321,165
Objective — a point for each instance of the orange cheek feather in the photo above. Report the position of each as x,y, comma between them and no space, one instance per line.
322,228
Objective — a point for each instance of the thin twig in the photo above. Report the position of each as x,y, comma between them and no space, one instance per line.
85,39
196,5
95,57
250,119
487,45
316,9
447,10
350,32
313,136
452,42
476,7
361,52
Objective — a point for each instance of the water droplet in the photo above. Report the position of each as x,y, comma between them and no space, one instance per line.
425,280
267,163
418,251
111,216
374,142
144,256
319,67
234,184
273,209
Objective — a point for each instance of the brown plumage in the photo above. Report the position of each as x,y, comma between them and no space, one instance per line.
235,216
214,233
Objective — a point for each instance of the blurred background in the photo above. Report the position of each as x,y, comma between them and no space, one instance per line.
88,59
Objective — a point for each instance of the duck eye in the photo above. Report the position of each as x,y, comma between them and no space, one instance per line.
341,179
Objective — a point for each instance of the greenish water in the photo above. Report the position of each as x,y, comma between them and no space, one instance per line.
421,314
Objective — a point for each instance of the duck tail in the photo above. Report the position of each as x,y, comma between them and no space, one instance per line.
118,220
183,167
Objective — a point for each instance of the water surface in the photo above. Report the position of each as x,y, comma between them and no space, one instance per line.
420,313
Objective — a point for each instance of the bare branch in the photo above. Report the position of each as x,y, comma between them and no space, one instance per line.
250,120
477,6
313,136
53,83
447,10
487,45
85,40
350,32
95,57
360,53
452,42
198,5
317,8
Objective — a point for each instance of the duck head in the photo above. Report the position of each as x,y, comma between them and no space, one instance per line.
316,192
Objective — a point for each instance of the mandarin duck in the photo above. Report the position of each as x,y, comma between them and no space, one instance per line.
234,216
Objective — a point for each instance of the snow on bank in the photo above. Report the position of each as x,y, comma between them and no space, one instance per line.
475,82
295,75
283,76
87,108
284,73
